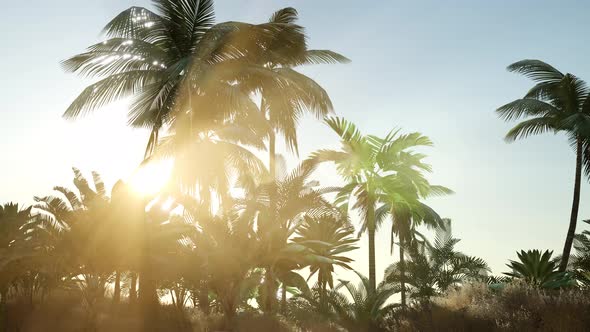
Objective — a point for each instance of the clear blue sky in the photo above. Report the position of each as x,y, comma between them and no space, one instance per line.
437,67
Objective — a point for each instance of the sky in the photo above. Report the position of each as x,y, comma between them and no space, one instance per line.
437,67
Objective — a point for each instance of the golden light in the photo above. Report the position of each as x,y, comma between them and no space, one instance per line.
152,177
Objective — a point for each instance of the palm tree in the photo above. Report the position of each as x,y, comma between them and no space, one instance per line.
580,263
557,103
96,236
12,219
330,236
77,224
369,164
159,250
296,196
169,59
538,269
368,308
224,257
435,267
358,309
12,223
84,228
224,141
284,104
404,187
581,258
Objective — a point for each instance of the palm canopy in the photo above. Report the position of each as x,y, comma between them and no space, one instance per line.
330,237
402,203
77,224
162,59
378,170
284,104
435,267
556,103
12,220
374,167
226,143
538,269
368,308
296,196
349,306
14,223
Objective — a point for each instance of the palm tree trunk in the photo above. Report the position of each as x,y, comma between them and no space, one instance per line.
372,275
272,157
148,296
271,291
204,298
569,239
402,270
117,291
172,297
284,299
272,170
322,295
3,309
3,296
371,233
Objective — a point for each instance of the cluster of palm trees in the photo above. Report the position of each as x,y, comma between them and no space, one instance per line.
213,97
230,232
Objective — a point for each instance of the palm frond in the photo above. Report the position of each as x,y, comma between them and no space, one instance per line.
534,126
536,70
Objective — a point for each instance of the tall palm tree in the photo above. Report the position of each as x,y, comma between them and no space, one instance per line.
557,103
368,163
283,104
330,236
404,187
163,59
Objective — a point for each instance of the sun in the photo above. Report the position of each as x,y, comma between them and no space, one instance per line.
152,177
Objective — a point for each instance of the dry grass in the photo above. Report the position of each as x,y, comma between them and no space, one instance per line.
518,307
471,308
65,312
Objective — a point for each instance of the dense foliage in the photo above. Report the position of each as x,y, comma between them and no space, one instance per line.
232,241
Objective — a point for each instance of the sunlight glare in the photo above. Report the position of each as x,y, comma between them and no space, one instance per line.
168,204
152,177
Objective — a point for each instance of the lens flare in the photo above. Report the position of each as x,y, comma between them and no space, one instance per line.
151,178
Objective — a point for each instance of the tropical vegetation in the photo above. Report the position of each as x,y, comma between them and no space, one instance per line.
235,241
